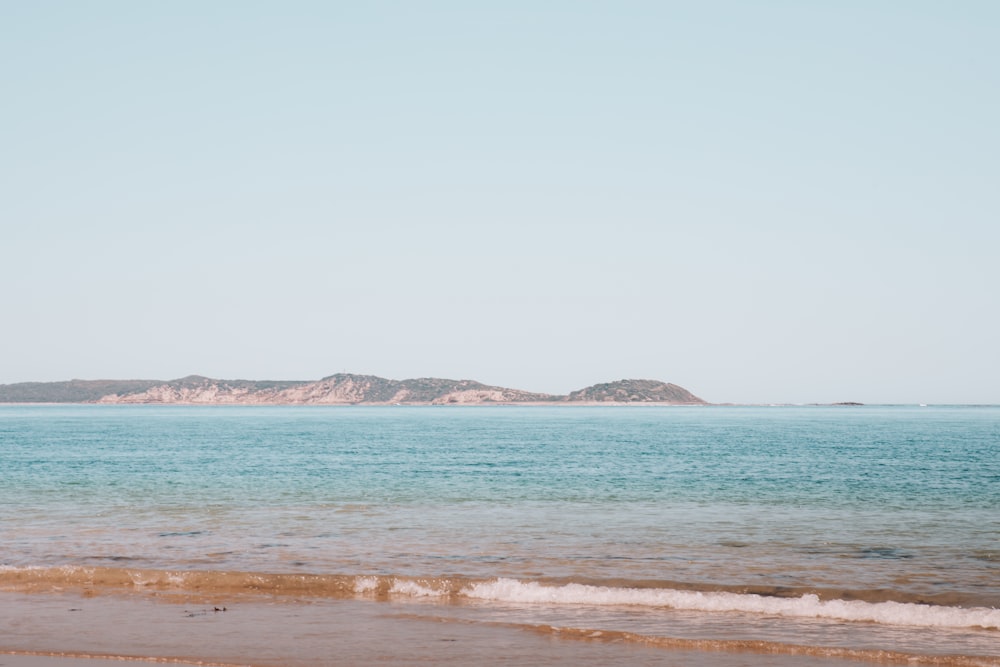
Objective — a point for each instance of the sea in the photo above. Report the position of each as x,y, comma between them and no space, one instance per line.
748,533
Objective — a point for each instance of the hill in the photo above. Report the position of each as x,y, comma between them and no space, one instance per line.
339,389
70,391
635,391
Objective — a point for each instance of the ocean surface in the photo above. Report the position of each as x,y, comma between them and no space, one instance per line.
869,533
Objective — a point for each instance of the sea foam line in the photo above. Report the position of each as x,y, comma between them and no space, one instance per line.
806,606
500,590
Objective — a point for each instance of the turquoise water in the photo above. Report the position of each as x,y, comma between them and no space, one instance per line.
870,504
933,458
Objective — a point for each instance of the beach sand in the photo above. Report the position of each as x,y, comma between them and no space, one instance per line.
69,630
23,660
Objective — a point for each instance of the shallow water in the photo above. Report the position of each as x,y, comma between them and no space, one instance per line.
818,526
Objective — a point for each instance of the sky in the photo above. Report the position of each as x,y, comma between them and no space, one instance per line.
766,201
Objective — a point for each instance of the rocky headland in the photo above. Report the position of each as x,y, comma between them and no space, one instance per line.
339,389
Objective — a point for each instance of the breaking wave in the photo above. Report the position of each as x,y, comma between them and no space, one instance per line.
807,606
501,590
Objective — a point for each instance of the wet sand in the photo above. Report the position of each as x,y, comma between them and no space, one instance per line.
68,630
23,660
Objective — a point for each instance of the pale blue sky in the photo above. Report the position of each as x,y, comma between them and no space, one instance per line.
760,201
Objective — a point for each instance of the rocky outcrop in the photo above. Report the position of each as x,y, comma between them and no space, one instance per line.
339,389
196,389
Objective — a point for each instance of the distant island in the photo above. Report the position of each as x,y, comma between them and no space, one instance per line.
339,389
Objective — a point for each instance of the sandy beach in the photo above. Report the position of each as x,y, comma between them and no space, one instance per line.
69,630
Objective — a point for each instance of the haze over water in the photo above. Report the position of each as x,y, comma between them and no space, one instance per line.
822,527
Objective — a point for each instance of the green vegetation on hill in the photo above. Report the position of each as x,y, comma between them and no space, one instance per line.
635,391
71,391
201,382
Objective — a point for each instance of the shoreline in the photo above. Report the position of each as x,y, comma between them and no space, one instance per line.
71,659
482,404
59,629
500,404
287,585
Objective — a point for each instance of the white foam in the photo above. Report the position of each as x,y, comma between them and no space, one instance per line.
176,578
807,606
365,584
413,589
138,578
